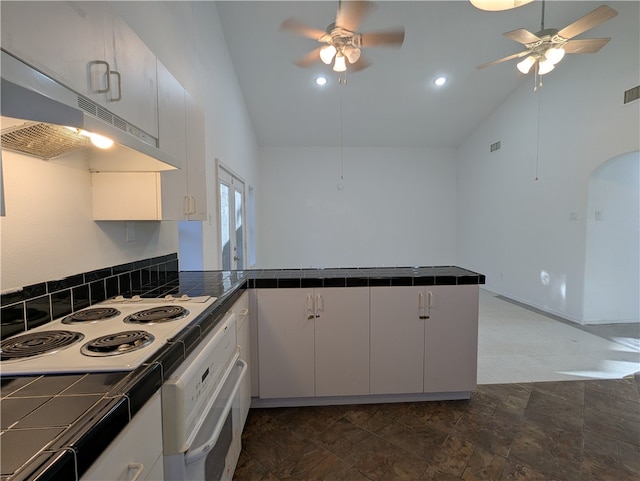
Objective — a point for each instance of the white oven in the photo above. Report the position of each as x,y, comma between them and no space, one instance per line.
201,422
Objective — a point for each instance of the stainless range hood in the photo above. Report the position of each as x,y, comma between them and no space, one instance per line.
36,111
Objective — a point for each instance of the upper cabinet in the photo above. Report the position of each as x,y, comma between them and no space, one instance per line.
59,38
133,88
182,133
88,48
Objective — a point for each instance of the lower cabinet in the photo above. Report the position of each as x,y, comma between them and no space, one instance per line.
136,453
377,341
313,342
424,339
243,336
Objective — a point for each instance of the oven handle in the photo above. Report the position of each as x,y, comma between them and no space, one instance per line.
196,453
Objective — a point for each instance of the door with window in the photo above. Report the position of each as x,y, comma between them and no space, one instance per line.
231,220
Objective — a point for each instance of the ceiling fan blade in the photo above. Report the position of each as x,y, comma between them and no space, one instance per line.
393,38
590,20
361,64
585,45
309,59
351,13
522,36
504,59
295,26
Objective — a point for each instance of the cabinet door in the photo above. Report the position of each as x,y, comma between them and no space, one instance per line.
172,120
451,339
285,343
172,129
241,308
58,38
196,163
126,196
397,340
137,450
342,341
134,88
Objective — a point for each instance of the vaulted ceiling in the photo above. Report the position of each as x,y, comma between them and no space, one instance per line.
393,102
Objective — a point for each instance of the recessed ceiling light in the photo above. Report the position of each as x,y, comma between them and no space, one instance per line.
321,80
440,81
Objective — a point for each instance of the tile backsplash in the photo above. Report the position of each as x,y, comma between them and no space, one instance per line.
32,306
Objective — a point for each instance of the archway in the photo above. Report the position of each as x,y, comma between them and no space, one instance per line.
612,264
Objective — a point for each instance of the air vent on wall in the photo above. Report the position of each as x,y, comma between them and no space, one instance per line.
494,146
632,94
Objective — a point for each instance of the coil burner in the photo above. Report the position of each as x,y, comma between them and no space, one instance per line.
117,343
157,315
91,315
36,343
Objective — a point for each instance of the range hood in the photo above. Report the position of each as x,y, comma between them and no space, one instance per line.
37,111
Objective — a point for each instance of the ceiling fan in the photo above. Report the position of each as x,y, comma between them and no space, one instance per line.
343,43
548,46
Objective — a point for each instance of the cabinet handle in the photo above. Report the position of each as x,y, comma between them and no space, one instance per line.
185,205
139,467
107,76
308,303
244,312
430,299
319,304
192,205
119,77
420,300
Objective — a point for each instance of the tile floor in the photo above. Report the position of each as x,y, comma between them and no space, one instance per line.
556,403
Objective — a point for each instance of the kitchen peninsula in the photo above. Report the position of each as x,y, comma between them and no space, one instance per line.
74,418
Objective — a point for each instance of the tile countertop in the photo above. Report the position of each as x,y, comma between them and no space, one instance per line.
50,423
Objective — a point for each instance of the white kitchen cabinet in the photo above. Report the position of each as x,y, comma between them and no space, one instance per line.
196,161
59,39
285,343
451,339
134,90
342,341
241,309
137,450
423,339
88,48
184,191
126,196
172,118
313,342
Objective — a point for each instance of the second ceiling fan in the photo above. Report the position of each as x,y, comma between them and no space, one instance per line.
544,49
343,44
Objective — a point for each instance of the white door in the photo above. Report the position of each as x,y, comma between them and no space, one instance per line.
231,221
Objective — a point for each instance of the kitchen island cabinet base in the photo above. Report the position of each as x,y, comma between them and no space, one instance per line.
367,399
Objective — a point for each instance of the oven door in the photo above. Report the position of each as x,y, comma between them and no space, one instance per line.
214,452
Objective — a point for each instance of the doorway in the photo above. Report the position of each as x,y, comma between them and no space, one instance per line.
232,225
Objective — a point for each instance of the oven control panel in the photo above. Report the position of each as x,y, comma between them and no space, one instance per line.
193,386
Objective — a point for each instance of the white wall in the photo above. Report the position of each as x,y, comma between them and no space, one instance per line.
48,231
396,207
520,231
